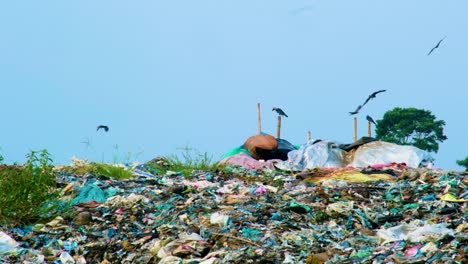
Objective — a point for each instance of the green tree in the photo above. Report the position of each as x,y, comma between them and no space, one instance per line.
463,163
411,126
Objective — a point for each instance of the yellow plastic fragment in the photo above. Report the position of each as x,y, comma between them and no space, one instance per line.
450,198
352,176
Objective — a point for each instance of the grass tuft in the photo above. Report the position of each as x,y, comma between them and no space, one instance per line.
186,163
98,169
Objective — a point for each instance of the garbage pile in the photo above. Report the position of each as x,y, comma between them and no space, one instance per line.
388,213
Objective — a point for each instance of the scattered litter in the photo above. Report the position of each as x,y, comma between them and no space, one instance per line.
384,213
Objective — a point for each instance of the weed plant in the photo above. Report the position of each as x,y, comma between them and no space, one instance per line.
186,163
28,192
101,170
111,171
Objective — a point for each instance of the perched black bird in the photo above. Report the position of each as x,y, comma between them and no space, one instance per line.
356,111
370,119
279,111
106,128
436,46
372,96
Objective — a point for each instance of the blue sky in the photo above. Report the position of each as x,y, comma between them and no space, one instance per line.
167,74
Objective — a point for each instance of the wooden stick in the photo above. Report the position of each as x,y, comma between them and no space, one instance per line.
369,130
308,136
237,238
259,120
278,127
355,129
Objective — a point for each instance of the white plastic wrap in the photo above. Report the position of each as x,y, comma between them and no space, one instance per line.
414,233
379,152
324,154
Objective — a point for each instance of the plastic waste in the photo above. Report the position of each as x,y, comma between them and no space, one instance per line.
90,192
235,215
219,218
323,153
7,244
415,233
281,152
65,258
379,152
248,162
450,198
258,143
235,152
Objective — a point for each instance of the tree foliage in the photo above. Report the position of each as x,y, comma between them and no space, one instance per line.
463,163
411,126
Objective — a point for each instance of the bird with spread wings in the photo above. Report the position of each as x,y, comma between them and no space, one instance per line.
356,111
106,128
372,96
436,46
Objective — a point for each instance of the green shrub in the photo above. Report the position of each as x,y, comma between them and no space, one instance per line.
28,192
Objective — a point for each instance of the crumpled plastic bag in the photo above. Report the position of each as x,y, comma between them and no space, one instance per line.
129,201
415,233
379,152
323,153
220,219
342,208
92,192
7,244
248,162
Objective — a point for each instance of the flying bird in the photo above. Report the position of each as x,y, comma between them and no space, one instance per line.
373,95
86,142
106,128
436,46
279,111
370,119
356,111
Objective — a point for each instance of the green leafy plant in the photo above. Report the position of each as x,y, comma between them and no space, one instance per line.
463,163
28,192
411,126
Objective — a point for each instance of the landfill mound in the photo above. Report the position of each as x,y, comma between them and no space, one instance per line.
378,214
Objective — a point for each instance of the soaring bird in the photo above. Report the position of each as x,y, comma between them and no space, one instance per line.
279,111
373,95
106,128
356,111
436,46
370,119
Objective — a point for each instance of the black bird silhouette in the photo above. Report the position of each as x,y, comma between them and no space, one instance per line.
106,128
372,96
436,46
370,119
356,111
279,111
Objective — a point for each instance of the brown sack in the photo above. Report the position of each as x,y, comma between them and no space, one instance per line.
262,142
